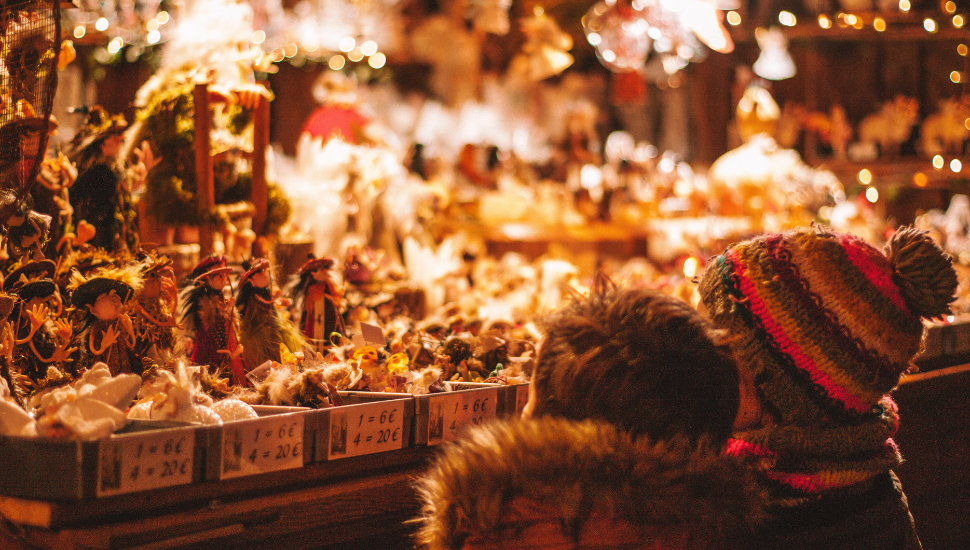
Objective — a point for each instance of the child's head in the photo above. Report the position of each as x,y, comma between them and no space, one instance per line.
639,359
826,323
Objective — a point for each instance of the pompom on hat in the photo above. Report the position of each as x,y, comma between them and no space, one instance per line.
827,323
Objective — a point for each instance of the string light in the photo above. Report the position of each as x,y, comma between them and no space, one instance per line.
920,179
101,24
690,267
879,24
904,5
733,18
958,21
347,43
950,7
956,165
377,61
929,25
594,39
938,162
824,22
162,17
115,45
337,62
787,18
865,176
956,77
152,25
872,195
368,48
153,37
962,49
259,37
355,55
79,31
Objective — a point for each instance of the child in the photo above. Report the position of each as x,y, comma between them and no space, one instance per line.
632,400
554,483
827,326
640,359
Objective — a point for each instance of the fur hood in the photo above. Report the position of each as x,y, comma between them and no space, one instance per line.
574,471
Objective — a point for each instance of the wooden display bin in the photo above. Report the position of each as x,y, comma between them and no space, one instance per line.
143,456
514,398
440,416
280,439
368,423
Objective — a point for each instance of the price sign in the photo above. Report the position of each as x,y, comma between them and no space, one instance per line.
266,444
132,463
365,429
521,397
449,412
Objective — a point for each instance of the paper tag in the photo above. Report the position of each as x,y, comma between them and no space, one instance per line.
372,334
261,445
365,429
521,398
132,463
450,411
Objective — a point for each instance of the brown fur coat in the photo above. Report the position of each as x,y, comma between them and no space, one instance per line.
554,483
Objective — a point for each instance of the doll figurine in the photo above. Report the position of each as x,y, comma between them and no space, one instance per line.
153,311
318,298
40,339
101,193
107,334
8,377
210,318
262,329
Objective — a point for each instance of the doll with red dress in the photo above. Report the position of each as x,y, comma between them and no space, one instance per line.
319,301
209,317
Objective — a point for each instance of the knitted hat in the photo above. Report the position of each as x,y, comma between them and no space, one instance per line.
827,323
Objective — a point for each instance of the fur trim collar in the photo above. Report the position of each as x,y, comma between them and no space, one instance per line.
572,469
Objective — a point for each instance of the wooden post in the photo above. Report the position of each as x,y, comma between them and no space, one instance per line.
204,190
259,194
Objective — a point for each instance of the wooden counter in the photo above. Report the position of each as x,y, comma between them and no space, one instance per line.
322,505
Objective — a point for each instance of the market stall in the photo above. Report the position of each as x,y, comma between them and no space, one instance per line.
260,258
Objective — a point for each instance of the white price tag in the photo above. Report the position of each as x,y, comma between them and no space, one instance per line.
261,445
521,398
450,411
365,429
132,463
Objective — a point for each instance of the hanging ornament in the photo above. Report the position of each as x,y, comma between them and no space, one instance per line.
546,46
774,63
618,30
705,19
491,16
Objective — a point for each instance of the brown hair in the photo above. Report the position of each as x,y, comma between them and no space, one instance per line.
641,360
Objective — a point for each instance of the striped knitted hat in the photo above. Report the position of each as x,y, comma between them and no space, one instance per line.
828,323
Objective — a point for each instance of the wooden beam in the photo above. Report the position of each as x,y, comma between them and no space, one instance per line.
204,190
259,194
